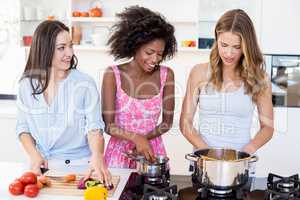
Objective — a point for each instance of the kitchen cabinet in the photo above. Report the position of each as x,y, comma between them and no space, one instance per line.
191,20
209,11
280,28
95,30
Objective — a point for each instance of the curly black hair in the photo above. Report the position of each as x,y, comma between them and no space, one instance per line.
139,26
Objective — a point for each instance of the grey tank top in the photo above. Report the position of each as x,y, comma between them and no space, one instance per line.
225,118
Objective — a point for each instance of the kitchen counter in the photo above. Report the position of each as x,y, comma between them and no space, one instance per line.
9,171
182,181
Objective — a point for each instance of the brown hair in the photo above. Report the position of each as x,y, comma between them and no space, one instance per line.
39,63
251,65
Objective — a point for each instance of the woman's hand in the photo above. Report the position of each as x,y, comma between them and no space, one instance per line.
99,170
143,147
249,148
37,162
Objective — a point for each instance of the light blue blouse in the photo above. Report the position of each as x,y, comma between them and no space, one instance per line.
60,129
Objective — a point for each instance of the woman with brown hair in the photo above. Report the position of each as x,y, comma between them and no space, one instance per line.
59,122
227,89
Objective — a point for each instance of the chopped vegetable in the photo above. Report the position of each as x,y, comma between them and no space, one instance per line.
83,184
45,180
92,183
69,178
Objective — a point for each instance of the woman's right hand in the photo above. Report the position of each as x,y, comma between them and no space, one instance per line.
37,162
143,147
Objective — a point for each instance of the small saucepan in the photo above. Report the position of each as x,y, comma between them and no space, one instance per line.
150,169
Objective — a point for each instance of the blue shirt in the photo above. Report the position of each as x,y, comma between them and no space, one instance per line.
60,129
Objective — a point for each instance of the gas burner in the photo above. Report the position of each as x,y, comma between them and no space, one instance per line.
155,193
213,192
208,193
283,187
162,181
156,181
220,192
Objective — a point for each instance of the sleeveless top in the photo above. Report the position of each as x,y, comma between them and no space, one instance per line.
135,115
225,118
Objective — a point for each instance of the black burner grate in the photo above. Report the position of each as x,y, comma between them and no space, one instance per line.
283,187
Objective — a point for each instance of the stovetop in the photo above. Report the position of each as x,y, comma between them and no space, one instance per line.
138,187
272,188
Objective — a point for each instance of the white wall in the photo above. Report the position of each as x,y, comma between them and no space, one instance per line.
281,154
280,28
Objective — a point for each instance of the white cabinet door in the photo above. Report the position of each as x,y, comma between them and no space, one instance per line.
280,27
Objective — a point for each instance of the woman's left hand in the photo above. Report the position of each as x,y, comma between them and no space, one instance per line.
249,148
99,170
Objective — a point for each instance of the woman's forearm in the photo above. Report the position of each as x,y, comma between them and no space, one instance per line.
261,138
195,139
191,134
159,130
96,143
114,130
28,144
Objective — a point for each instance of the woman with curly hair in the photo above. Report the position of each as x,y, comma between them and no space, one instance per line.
228,88
135,92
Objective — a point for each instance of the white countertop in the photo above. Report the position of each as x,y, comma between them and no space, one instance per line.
9,171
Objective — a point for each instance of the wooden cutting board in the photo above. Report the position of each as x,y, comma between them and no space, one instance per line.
59,187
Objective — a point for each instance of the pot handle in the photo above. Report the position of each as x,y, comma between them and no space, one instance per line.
253,159
191,157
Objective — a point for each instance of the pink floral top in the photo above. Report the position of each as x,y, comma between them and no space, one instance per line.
135,115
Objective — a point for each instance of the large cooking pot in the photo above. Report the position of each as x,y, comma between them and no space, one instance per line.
147,168
221,168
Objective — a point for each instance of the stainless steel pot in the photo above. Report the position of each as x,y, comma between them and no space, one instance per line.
150,169
221,168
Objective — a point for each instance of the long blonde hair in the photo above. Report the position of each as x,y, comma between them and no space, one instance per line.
251,66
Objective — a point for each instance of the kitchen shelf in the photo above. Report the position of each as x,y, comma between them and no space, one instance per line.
31,20
94,19
114,19
207,20
105,48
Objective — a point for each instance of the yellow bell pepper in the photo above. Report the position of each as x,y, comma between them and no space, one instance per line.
95,193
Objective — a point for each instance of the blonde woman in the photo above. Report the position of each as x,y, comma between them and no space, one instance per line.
227,89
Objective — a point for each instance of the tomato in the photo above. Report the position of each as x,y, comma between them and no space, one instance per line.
31,190
16,188
28,178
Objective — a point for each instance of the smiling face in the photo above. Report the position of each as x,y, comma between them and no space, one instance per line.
63,52
150,55
229,48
